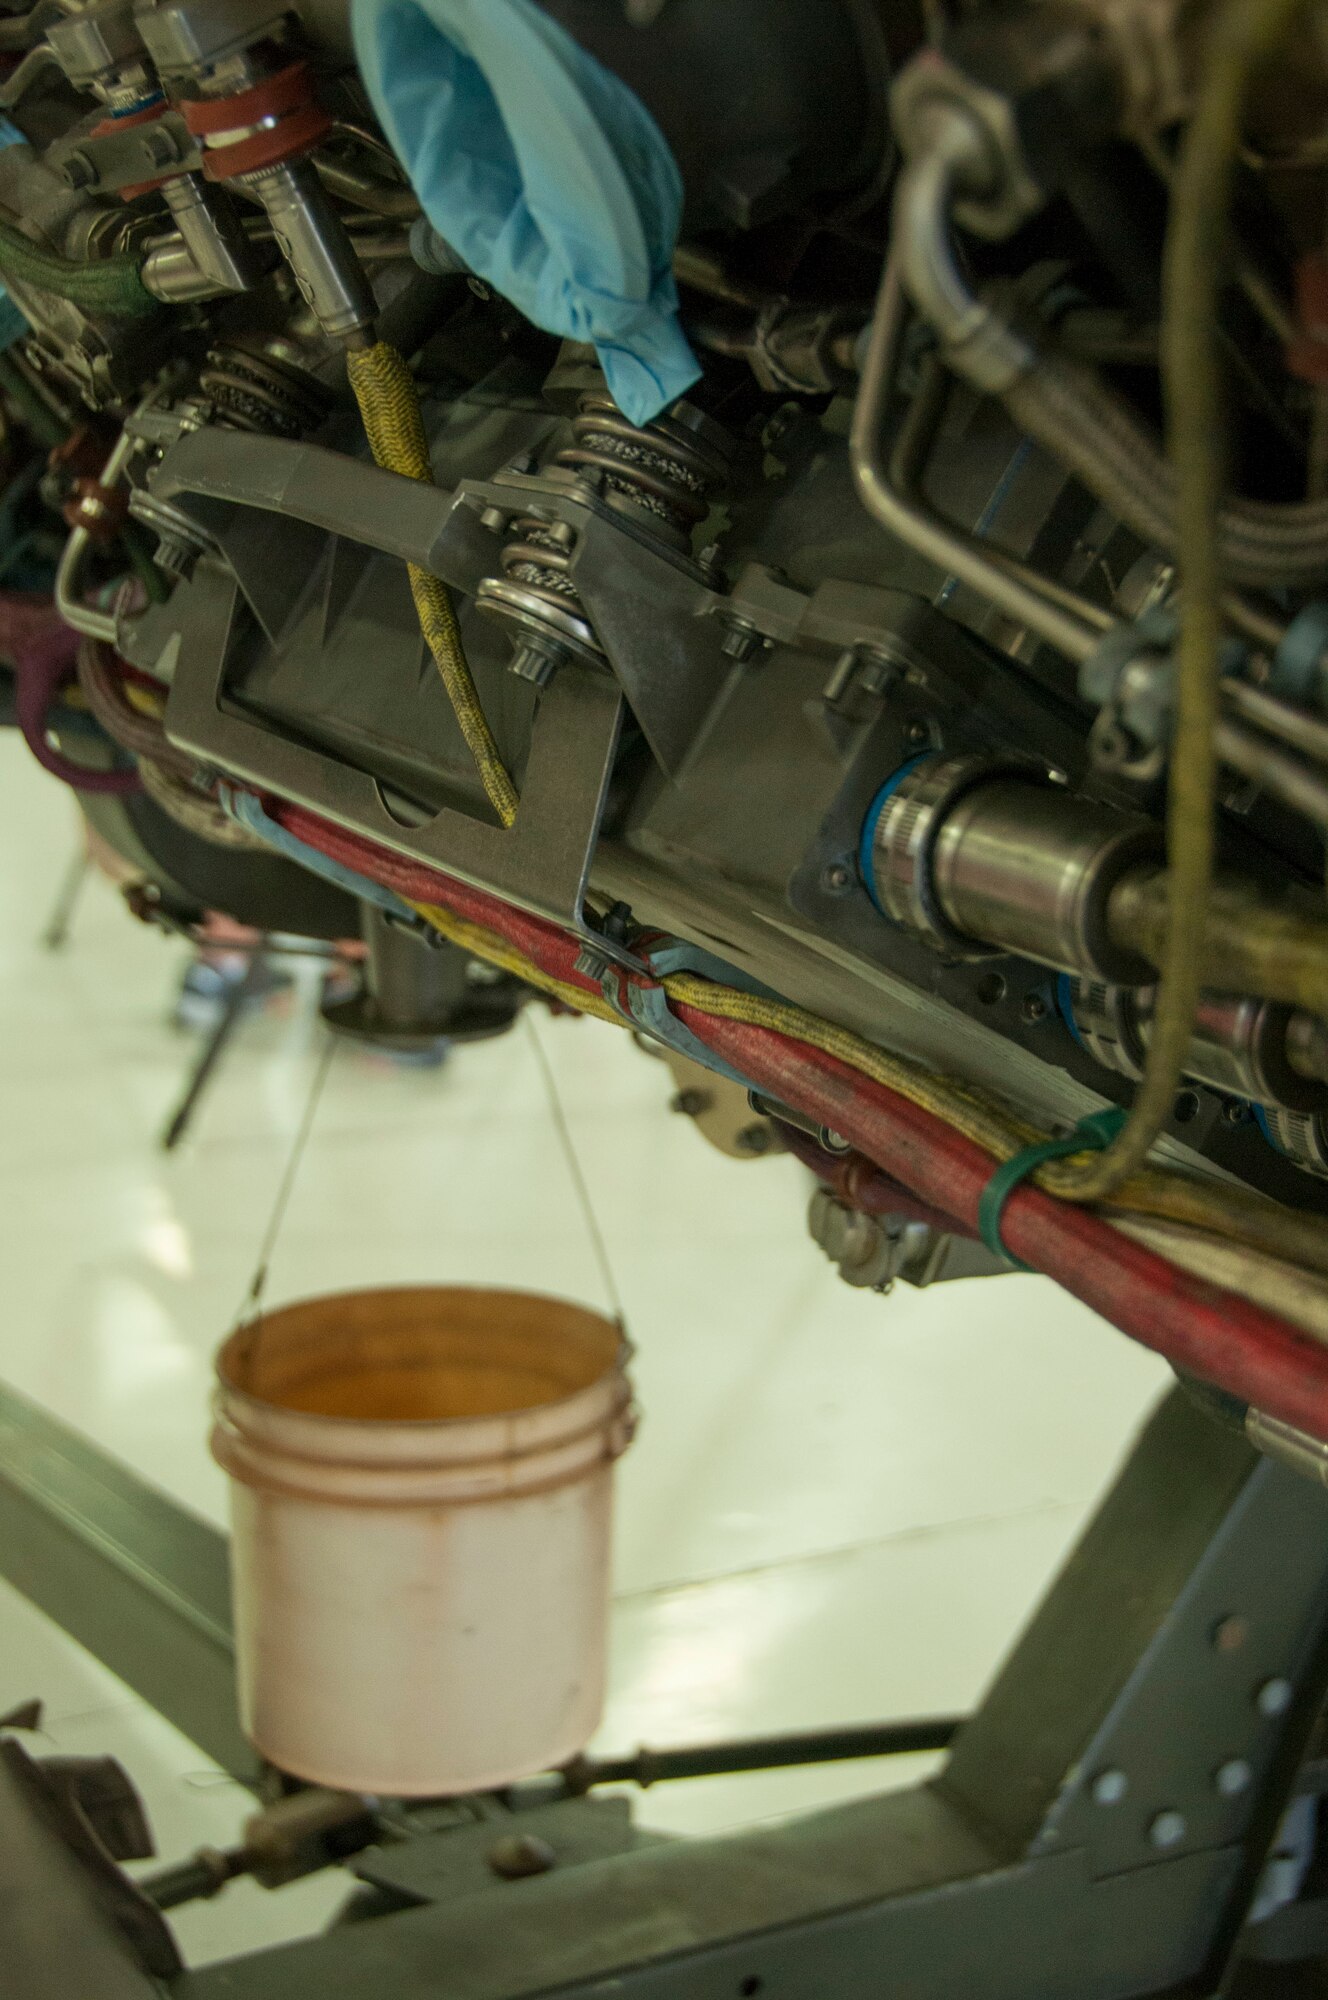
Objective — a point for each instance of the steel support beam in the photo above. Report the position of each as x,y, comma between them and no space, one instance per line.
142,1584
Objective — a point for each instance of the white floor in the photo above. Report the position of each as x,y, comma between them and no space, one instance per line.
838,1507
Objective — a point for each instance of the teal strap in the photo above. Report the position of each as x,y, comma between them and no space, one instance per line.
1090,1135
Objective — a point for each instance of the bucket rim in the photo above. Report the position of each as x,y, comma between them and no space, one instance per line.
226,1389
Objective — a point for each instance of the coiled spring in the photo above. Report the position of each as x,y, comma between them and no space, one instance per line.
251,390
663,469
538,558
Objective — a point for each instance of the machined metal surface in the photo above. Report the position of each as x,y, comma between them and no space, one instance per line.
1241,1045
1031,869
1302,1135
214,236
316,244
905,847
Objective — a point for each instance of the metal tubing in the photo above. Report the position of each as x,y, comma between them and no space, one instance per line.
1293,784
912,447
981,345
94,624
1276,718
953,553
767,1753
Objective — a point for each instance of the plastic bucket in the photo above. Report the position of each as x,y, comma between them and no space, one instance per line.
421,1496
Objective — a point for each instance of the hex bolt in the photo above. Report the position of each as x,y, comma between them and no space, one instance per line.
535,663
1233,1777
1167,1829
79,171
159,145
1109,1788
1274,1697
691,1103
740,641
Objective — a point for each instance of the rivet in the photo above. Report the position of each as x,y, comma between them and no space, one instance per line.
1274,1697
1167,1829
518,1855
1233,1777
1230,1634
1110,1787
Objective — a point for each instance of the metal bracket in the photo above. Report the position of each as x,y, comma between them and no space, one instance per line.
541,864
652,615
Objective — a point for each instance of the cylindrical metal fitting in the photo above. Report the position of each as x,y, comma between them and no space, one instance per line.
314,241
905,825
1240,1045
1307,1045
978,855
1301,1135
1030,867
1105,1019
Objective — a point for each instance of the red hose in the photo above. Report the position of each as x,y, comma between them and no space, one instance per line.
1208,1332
1214,1334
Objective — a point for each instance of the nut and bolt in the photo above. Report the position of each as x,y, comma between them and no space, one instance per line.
78,171
1167,1829
535,663
1233,1777
1109,1787
1274,1697
741,641
159,144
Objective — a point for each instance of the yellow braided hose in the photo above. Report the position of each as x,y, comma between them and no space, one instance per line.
390,410
1230,1213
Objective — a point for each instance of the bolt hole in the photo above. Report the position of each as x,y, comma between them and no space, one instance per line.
991,988
1187,1107
752,1984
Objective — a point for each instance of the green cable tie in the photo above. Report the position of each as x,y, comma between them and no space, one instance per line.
1090,1135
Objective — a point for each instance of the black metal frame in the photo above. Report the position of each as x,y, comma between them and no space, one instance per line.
1098,1831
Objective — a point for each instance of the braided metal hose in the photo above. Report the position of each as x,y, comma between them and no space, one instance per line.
1071,411
390,409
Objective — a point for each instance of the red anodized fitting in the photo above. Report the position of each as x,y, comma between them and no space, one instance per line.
275,120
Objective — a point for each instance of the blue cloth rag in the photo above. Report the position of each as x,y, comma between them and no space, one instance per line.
546,174
13,325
